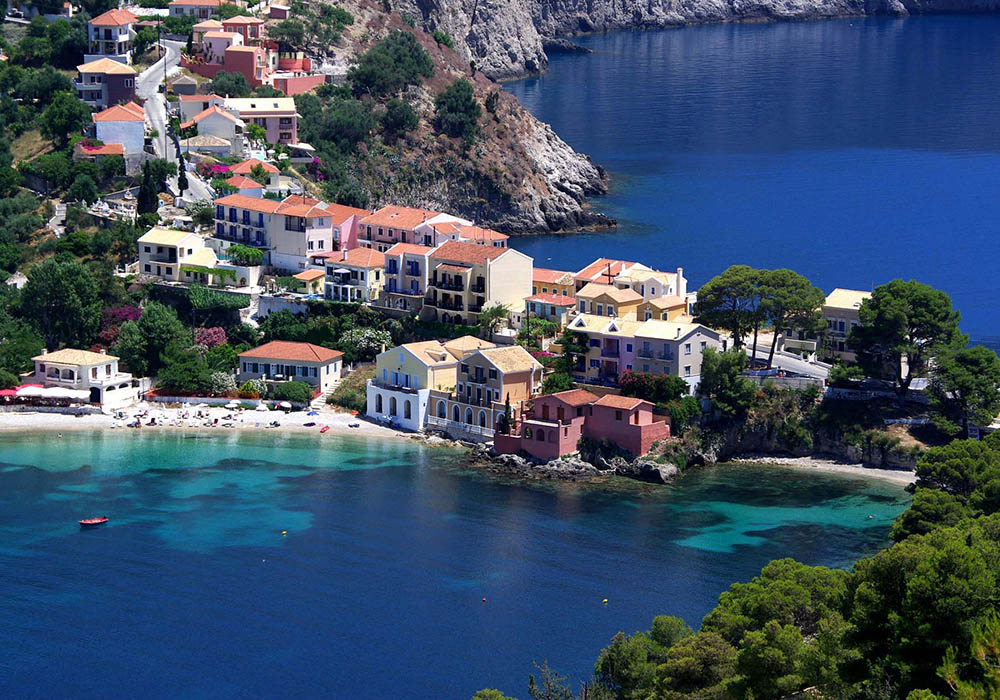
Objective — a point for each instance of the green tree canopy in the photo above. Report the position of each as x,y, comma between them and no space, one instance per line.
399,117
729,301
456,110
230,84
965,386
790,302
902,326
721,381
390,65
64,117
61,300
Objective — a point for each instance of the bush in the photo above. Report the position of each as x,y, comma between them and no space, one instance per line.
8,380
296,392
658,388
210,337
398,118
554,383
222,383
245,255
231,84
351,400
443,39
252,389
390,65
456,111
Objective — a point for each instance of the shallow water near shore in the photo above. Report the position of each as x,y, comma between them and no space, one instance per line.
375,591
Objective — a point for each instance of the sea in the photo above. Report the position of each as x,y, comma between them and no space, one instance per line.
283,565
853,151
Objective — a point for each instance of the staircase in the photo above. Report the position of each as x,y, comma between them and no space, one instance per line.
319,403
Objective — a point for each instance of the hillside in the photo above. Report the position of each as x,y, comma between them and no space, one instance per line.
515,175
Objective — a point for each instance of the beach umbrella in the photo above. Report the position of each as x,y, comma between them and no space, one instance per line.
261,407
233,404
285,405
313,413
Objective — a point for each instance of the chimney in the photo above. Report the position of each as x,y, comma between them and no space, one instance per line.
678,333
681,285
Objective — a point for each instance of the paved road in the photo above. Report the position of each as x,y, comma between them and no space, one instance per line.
55,223
791,364
147,87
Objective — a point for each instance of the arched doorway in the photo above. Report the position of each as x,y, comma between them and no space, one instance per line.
442,409
407,410
392,406
468,416
456,413
540,436
95,394
378,403
482,419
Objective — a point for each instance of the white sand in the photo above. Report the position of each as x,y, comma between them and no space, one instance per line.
900,476
293,421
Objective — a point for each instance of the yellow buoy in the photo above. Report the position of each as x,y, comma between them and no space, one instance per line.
284,532
605,601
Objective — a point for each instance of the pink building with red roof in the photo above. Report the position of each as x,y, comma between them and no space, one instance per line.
549,307
554,424
123,124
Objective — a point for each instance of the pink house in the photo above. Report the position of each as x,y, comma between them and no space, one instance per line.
556,422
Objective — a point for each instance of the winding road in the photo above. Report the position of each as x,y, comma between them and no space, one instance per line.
147,87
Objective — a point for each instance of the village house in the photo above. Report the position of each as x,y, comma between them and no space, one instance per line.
602,271
285,361
549,307
199,30
465,278
95,375
486,379
105,82
122,124
251,165
668,308
192,105
610,348
202,9
354,275
217,122
214,44
182,256
653,284
310,281
245,220
252,30
444,231
555,424
276,114
406,274
110,35
840,311
404,376
393,224
605,300
545,281
246,187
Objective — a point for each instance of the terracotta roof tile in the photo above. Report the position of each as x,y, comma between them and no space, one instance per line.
399,217
625,403
357,257
401,248
128,112
290,351
576,397
242,201
241,183
71,356
310,275
554,299
541,274
244,167
114,18
600,268
457,251
106,66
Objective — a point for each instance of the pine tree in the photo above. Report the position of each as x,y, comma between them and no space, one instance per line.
146,201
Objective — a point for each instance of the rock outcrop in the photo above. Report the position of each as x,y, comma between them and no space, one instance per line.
506,38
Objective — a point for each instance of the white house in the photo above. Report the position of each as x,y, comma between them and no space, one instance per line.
282,361
110,35
95,373
124,124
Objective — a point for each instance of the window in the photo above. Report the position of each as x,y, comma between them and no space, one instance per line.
687,370
309,245
618,415
703,345
465,368
687,348
611,311
645,368
600,309
595,364
147,268
628,347
146,249
534,290
583,307
129,82
595,343
493,374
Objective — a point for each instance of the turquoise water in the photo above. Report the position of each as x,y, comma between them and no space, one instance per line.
375,591
853,151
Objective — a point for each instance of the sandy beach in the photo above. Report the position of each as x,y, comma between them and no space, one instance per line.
900,476
170,419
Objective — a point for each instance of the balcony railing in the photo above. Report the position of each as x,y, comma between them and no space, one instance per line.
665,356
452,286
645,353
449,306
609,352
478,288
393,387
476,379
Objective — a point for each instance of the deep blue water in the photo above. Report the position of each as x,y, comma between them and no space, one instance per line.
853,151
192,591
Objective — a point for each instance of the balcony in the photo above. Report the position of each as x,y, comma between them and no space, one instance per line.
645,353
609,352
668,356
478,288
393,387
451,286
449,306
476,379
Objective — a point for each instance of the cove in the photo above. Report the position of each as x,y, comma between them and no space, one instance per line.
375,591
852,151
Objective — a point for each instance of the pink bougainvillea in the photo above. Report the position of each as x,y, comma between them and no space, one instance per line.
210,337
112,319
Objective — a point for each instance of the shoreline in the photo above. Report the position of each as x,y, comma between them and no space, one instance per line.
293,422
899,476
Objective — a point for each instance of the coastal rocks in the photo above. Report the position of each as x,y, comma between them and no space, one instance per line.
569,468
496,35
647,470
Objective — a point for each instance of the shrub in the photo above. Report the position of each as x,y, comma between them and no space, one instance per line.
252,389
222,383
456,111
245,255
8,379
351,400
390,65
297,392
554,383
398,118
210,337
658,388
443,39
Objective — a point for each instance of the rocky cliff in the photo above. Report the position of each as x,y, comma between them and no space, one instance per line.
506,38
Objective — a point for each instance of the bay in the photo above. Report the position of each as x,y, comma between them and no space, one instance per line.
852,151
376,588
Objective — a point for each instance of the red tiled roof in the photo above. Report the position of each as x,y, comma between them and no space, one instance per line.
246,166
477,233
114,18
576,397
452,268
241,183
626,403
242,201
296,352
310,275
601,267
541,274
199,98
108,149
341,213
357,257
128,112
457,251
214,109
401,248
195,3
399,217
242,19
554,299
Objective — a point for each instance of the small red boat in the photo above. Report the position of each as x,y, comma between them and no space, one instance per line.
324,428
93,522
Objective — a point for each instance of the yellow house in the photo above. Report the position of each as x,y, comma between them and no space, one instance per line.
465,278
545,281
841,315
404,376
311,281
670,308
485,380
605,300
355,275
163,252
